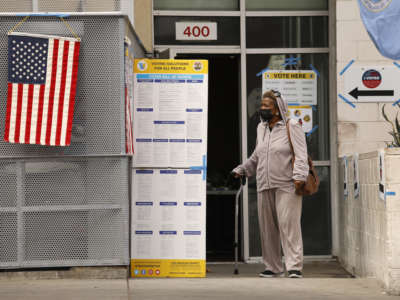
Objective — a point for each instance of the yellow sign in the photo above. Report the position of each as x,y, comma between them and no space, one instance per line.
170,66
284,75
168,268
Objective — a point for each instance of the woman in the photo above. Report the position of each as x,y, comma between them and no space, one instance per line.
279,207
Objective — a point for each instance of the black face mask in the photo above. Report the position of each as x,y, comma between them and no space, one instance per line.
266,114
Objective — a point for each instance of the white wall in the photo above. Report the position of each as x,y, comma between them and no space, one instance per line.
361,129
369,235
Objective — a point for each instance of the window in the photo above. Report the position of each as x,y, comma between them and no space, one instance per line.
196,4
287,5
287,32
228,30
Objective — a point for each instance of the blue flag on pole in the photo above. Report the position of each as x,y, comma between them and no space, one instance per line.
382,21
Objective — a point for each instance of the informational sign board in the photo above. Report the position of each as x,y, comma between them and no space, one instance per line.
356,176
345,177
168,223
169,177
296,86
381,170
170,112
303,114
371,84
192,31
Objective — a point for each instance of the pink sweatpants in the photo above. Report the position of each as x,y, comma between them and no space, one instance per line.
279,215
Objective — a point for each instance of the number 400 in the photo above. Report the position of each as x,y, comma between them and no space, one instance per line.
196,31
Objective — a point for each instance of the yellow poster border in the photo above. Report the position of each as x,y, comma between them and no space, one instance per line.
158,268
170,66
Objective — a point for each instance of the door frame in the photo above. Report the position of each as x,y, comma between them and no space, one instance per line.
228,50
235,50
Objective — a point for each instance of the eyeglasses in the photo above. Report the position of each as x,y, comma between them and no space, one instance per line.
277,93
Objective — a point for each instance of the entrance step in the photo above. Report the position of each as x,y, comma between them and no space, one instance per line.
314,269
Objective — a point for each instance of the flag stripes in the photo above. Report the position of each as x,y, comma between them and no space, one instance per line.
41,112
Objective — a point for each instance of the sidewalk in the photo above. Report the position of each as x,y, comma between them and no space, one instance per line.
322,281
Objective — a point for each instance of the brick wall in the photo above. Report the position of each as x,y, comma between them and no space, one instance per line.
369,234
361,129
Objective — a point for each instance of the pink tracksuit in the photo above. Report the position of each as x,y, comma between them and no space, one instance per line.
279,208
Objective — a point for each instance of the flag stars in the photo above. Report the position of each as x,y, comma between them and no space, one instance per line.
28,60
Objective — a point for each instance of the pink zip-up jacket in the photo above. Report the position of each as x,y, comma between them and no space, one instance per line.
271,160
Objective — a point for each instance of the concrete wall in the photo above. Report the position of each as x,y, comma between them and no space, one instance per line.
143,22
369,237
361,129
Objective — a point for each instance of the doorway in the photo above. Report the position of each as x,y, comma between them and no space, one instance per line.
223,152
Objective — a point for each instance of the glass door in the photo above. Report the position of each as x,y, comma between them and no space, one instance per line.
316,226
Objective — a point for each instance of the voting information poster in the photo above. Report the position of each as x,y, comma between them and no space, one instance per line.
170,112
168,223
302,114
169,175
296,86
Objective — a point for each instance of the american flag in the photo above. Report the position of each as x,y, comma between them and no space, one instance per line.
42,74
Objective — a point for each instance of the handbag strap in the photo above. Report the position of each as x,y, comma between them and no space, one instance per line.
290,141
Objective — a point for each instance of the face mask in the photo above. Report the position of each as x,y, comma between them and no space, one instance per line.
266,114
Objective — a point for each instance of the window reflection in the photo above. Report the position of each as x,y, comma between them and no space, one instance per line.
196,4
286,5
318,142
287,32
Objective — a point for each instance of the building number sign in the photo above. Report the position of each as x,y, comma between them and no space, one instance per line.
196,31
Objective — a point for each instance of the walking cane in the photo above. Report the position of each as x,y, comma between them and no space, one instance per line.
236,244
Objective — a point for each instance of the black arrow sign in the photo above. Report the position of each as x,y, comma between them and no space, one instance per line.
356,93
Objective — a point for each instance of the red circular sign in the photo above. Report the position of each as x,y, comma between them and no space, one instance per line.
371,79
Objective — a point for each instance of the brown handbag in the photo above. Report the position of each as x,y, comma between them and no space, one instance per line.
312,183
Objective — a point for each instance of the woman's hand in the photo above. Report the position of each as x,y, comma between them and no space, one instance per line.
298,184
235,175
